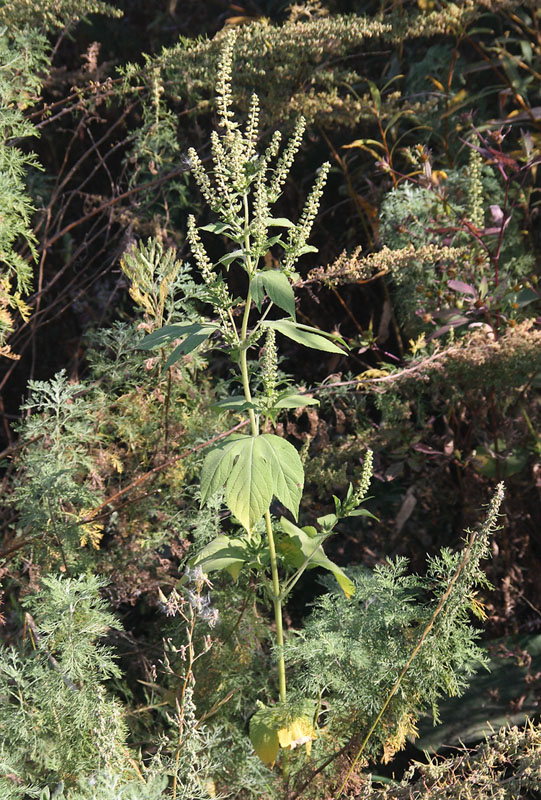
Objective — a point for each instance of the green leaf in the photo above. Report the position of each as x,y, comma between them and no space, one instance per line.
300,545
253,470
328,521
216,227
279,290
228,259
169,333
307,248
279,222
234,403
189,344
376,96
362,512
277,287
295,401
526,296
264,736
305,335
222,553
274,240
258,291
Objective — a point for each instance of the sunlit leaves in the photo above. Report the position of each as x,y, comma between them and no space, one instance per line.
307,336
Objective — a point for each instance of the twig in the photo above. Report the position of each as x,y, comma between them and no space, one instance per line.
387,378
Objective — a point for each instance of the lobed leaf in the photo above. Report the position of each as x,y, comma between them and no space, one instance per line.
253,470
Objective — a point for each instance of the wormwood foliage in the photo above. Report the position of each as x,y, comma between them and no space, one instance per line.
371,637
22,58
57,718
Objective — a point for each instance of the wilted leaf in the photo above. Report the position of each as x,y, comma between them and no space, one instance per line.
282,726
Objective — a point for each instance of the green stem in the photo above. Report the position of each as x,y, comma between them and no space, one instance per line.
244,362
277,602
244,329
276,594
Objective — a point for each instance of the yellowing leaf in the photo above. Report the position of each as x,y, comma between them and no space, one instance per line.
91,532
300,731
264,736
459,97
436,83
370,374
281,726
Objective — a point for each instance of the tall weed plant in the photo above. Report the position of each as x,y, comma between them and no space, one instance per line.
252,470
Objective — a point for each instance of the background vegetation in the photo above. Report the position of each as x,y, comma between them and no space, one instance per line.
124,673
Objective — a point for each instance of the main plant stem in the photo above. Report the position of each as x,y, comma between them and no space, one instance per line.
276,594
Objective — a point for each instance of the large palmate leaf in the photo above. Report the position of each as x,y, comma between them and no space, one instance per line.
253,470
302,544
